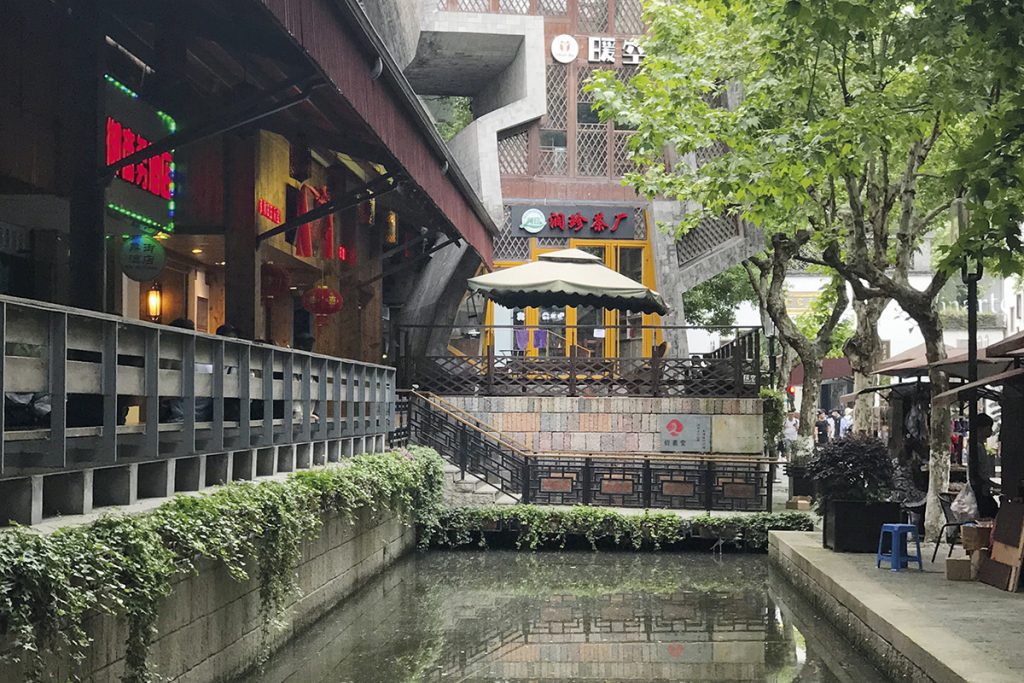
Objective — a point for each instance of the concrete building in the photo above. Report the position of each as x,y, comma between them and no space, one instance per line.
546,168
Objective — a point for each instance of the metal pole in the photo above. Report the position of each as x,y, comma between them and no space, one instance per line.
974,452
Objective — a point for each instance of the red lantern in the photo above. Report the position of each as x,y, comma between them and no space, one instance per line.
274,281
322,301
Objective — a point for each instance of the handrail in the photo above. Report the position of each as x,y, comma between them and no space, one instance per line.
491,431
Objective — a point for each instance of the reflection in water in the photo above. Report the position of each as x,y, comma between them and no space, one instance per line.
568,616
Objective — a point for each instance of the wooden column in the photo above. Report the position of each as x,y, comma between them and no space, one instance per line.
84,103
242,305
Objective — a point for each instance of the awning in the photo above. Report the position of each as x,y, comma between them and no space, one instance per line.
994,380
570,277
911,363
831,368
1011,346
956,365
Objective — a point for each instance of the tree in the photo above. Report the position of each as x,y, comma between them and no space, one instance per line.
713,303
844,146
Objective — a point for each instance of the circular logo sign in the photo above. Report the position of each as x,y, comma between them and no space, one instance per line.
564,48
142,258
533,221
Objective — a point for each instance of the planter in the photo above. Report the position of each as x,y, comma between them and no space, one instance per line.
799,483
852,526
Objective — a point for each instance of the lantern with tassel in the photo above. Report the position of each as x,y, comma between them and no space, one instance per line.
368,212
274,281
322,301
391,228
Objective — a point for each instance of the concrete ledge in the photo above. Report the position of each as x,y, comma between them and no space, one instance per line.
914,626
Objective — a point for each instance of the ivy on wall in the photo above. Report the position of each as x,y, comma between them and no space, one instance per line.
546,527
124,564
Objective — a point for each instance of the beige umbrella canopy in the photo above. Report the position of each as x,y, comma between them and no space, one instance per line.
570,277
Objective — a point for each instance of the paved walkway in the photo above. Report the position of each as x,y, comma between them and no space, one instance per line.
953,630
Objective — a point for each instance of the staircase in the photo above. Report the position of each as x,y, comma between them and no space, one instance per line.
467,489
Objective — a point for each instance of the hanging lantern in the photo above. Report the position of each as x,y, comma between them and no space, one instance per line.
391,225
368,212
142,257
155,302
322,301
274,281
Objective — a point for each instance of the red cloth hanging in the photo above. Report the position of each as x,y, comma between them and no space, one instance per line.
303,234
326,225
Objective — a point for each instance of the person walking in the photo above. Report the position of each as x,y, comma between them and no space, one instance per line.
846,424
790,433
822,429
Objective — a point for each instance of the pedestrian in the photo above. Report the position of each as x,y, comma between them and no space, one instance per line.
835,419
822,428
790,433
846,424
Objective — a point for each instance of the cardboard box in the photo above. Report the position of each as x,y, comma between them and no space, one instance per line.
975,537
799,503
977,557
958,568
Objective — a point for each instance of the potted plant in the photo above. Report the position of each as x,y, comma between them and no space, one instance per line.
854,479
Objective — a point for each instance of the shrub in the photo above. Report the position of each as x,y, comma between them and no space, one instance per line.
855,468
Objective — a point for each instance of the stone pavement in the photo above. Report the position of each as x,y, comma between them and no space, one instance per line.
951,630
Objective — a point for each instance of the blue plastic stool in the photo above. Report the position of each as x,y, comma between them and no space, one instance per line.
898,533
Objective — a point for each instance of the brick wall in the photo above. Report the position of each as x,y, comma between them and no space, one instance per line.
209,626
619,425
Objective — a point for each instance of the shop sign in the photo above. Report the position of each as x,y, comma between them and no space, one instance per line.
268,210
604,50
142,258
143,192
565,49
684,433
579,221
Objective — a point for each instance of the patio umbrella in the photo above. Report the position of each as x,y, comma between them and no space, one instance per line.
570,277
956,365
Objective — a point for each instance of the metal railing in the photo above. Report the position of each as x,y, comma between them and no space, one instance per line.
732,371
85,390
641,480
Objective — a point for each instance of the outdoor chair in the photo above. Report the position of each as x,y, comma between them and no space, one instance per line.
951,528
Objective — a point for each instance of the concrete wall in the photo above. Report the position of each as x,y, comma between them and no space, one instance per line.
209,626
614,425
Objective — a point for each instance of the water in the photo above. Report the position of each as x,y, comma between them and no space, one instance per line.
504,616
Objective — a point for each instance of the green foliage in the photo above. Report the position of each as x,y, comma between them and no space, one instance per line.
957,320
713,303
547,527
811,320
774,407
453,114
124,564
858,467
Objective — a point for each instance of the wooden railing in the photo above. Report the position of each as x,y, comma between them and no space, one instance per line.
695,481
86,390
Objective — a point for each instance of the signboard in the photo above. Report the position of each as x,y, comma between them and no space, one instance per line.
580,221
141,193
684,433
604,50
142,258
564,49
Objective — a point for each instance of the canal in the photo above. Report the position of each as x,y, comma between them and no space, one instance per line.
504,616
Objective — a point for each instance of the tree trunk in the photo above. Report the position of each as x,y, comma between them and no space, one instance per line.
864,351
811,393
938,426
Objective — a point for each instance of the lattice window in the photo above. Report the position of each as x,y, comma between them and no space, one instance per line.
592,149
473,5
557,78
513,154
553,8
707,154
514,6
508,247
629,17
559,241
710,233
640,223
622,158
553,161
583,75
593,16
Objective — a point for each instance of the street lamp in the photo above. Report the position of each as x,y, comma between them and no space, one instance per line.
768,325
971,271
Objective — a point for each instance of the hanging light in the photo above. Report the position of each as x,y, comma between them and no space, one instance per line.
155,302
391,222
322,301
368,212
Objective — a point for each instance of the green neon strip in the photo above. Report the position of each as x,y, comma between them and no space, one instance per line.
139,218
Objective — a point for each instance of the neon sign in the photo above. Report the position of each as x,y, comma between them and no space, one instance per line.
268,210
152,174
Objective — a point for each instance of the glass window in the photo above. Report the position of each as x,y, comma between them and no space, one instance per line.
550,139
586,113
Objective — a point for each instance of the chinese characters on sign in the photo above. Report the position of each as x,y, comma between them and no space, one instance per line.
152,174
596,222
142,258
268,210
601,50
684,433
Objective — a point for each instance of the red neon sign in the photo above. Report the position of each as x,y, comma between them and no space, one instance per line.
268,210
152,174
